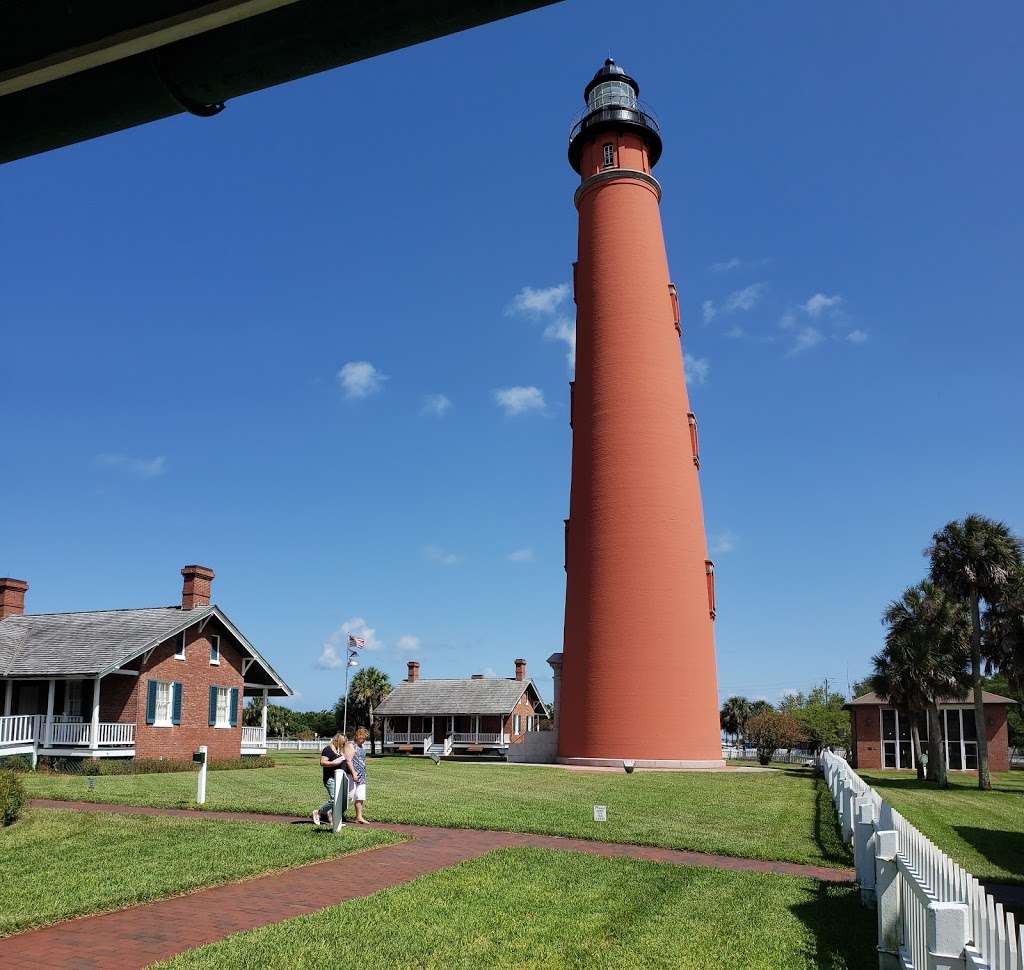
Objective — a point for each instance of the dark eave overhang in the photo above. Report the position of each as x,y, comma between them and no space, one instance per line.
71,70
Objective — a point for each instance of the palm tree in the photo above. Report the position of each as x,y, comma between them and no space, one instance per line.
973,561
924,660
368,688
734,716
1003,630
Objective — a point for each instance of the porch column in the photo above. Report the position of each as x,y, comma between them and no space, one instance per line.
8,695
476,727
94,733
408,728
48,726
266,695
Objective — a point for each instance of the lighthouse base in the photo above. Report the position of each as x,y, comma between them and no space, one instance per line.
643,763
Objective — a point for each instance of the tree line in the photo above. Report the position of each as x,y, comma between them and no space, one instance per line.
963,621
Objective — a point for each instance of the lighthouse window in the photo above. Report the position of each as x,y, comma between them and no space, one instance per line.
609,155
617,93
709,569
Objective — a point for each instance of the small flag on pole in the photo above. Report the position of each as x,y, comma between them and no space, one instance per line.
353,663
357,642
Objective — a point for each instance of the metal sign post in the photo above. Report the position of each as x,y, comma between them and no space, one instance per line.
340,798
200,759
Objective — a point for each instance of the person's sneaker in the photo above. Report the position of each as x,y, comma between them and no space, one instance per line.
316,819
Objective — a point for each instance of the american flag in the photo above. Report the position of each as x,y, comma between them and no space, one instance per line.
357,642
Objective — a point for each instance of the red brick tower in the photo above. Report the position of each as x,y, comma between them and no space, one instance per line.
638,665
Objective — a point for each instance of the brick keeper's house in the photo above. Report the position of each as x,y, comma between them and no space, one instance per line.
130,683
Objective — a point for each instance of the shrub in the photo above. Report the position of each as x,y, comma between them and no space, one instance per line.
16,762
773,729
12,797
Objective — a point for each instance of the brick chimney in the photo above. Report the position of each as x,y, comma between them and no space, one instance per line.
196,589
414,671
12,597
520,669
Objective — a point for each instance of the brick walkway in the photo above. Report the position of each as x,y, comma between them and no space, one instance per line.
142,934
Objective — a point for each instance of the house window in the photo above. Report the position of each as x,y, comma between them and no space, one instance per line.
897,739
223,719
516,724
608,160
164,698
215,650
529,723
179,646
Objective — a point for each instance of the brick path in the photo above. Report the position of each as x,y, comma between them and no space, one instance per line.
142,934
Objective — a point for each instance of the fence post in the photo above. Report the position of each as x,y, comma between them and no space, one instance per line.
201,781
887,896
864,849
948,935
846,812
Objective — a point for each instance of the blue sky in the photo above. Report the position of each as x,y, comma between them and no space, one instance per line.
285,342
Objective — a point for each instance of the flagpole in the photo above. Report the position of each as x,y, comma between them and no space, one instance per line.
344,722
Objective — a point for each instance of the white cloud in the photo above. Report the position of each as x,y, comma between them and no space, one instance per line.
359,378
726,264
563,329
520,555
519,400
709,311
856,336
439,555
819,303
333,653
437,405
723,542
529,300
745,299
141,467
788,320
491,673
697,369
735,332
806,338
408,643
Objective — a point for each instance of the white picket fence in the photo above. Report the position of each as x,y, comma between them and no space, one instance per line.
932,913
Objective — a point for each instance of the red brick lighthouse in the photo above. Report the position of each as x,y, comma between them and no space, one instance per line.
638,666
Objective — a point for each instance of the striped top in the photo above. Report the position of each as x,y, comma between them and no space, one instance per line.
359,764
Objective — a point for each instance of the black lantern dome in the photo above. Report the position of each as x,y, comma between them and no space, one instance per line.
612,102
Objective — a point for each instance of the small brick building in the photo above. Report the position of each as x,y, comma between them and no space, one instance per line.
468,715
132,683
881,735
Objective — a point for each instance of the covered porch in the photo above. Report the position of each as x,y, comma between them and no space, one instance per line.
61,717
445,733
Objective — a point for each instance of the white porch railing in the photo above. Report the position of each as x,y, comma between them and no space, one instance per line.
252,737
290,744
404,737
932,913
477,737
29,728
20,729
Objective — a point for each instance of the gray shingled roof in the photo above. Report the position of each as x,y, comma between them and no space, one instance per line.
487,695
66,644
871,699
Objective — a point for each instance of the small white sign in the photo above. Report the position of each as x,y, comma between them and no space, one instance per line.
600,813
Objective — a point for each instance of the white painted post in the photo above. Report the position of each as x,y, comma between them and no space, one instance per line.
94,733
864,849
846,811
8,694
266,695
340,798
948,935
887,896
48,729
201,785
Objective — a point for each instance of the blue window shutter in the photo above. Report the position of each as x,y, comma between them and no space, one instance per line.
213,706
151,702
233,702
176,703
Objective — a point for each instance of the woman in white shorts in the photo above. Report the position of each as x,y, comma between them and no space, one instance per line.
358,763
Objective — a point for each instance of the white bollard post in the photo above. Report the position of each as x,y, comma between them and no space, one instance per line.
340,798
201,790
887,897
948,935
864,848
846,812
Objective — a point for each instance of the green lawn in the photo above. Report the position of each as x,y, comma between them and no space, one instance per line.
784,815
58,864
531,908
983,831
